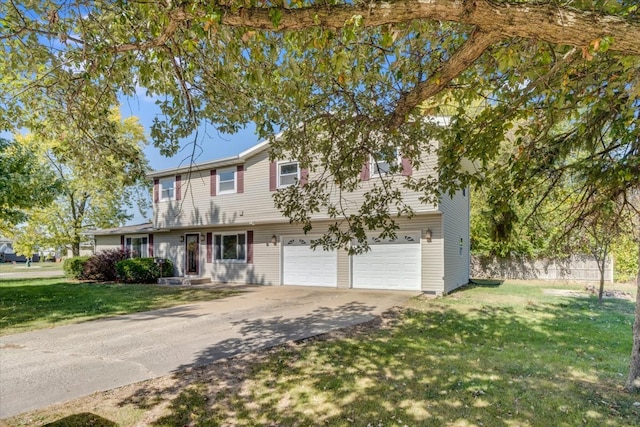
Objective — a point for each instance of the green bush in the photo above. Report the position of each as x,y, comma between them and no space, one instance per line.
142,270
73,267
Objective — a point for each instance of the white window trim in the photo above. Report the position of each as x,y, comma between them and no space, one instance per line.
373,165
235,181
161,196
222,260
279,174
136,236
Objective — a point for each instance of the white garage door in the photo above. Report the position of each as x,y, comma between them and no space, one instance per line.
390,264
302,265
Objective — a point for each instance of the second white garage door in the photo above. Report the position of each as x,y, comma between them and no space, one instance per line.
301,265
390,264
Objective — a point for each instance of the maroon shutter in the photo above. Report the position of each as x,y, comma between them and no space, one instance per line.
304,177
178,187
249,247
122,242
240,179
156,195
273,176
150,242
364,174
209,247
407,168
212,190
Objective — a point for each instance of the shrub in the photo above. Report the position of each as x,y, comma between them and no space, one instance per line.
102,265
73,267
142,270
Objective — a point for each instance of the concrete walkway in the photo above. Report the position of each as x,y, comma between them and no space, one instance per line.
44,367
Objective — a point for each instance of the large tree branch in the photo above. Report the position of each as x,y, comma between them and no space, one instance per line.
548,22
476,44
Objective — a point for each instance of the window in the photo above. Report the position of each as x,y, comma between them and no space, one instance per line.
167,186
227,181
380,164
137,246
288,174
461,245
230,247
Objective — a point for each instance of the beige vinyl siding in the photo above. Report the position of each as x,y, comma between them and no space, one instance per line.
456,226
168,245
255,205
104,243
266,268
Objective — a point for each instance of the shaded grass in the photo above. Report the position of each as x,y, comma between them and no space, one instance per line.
505,355
28,304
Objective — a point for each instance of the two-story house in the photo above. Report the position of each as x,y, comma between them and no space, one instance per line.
217,220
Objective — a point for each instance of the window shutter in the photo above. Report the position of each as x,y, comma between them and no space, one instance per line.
364,174
122,242
217,246
250,247
213,184
150,242
240,179
178,187
209,247
273,176
407,168
304,177
156,189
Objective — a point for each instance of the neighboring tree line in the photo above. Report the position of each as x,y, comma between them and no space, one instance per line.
552,226
56,188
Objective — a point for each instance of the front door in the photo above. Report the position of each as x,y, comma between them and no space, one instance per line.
193,254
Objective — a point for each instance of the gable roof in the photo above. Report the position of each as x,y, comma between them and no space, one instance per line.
212,164
251,151
144,228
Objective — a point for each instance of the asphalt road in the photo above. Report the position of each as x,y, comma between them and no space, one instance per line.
54,365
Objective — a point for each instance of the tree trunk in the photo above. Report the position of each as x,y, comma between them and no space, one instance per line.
602,264
633,382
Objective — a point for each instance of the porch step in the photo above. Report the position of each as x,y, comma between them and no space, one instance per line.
184,281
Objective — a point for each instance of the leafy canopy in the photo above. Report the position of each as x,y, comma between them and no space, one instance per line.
349,72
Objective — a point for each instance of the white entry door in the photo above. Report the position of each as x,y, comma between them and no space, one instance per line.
302,265
390,264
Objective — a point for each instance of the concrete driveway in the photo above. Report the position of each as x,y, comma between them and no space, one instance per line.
54,365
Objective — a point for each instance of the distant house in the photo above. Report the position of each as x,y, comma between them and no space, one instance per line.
7,254
217,220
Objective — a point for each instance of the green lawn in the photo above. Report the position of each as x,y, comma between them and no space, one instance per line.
27,304
508,355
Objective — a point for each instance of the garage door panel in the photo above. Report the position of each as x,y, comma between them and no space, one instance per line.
304,266
390,264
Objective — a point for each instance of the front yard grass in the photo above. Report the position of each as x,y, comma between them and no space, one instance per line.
28,304
508,355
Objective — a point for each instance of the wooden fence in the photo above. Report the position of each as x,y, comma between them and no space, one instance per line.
578,268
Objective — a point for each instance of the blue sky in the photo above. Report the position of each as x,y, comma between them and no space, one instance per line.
211,143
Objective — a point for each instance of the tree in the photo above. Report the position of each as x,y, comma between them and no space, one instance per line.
338,75
24,184
96,187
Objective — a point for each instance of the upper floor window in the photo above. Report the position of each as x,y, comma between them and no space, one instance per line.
288,174
137,246
227,180
167,188
230,247
380,165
